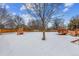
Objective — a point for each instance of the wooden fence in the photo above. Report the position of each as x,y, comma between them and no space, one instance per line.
7,30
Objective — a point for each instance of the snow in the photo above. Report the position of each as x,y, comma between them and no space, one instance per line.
30,44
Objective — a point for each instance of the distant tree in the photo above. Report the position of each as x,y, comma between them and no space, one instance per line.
31,24
35,24
57,23
74,23
43,12
19,21
4,16
7,20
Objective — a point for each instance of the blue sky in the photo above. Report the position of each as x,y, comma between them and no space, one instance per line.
71,12
68,9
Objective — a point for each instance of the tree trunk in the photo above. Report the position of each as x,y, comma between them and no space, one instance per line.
43,36
43,31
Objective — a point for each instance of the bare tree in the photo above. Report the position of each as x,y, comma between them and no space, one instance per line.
9,20
18,20
35,25
57,23
74,23
31,24
43,12
4,16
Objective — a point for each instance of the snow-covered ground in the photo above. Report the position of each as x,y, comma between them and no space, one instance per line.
30,44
